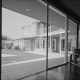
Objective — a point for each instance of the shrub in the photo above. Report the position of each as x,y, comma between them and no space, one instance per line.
9,47
17,48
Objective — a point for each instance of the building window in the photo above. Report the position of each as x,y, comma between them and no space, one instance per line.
26,44
43,43
62,44
69,45
41,25
53,44
37,43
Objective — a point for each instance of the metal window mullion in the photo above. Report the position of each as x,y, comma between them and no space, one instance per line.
47,42
77,42
66,39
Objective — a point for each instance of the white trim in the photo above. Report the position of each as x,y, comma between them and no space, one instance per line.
55,44
40,42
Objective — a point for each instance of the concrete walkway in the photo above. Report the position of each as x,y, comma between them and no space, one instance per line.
33,60
50,55
7,55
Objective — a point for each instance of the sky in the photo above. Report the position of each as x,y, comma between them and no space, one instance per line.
12,23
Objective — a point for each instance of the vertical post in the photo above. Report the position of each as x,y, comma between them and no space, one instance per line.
77,42
47,43
66,47
66,40
40,42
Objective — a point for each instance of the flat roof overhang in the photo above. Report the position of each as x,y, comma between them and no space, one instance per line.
38,9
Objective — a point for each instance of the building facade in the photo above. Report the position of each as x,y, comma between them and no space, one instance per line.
7,44
21,44
35,37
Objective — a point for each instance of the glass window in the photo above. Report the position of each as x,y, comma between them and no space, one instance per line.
34,59
41,25
63,44
27,53
69,45
72,36
56,27
37,43
43,43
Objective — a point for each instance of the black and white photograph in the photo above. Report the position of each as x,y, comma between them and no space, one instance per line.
40,40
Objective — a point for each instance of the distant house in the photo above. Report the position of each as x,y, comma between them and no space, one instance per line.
4,37
18,43
7,43
35,37
21,43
